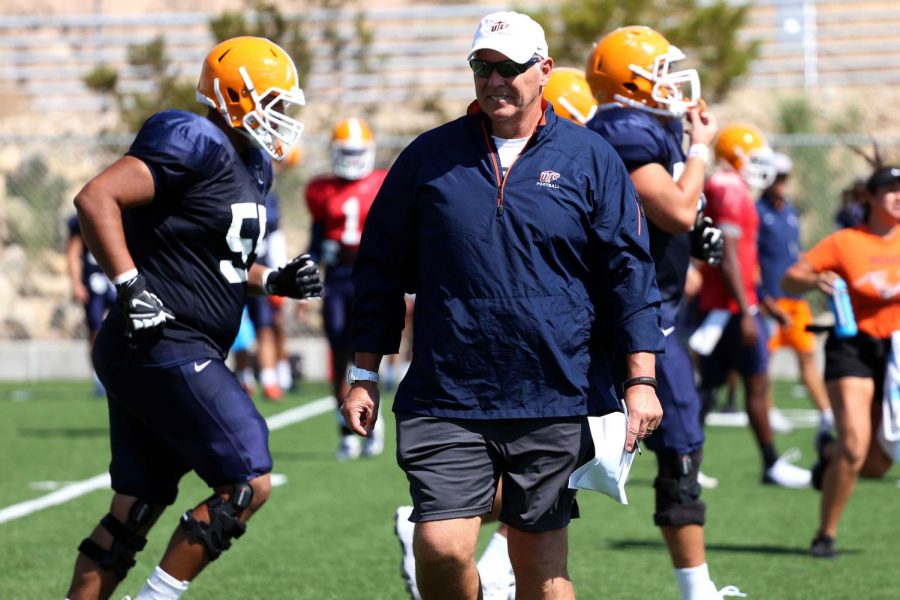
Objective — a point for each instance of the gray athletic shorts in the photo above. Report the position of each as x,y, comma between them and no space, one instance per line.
453,466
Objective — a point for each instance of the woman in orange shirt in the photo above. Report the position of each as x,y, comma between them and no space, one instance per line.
867,257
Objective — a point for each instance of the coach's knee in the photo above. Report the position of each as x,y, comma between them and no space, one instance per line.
437,545
678,500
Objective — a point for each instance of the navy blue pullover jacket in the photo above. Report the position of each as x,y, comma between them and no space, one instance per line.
517,279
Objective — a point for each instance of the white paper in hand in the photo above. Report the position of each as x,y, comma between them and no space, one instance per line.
608,470
704,340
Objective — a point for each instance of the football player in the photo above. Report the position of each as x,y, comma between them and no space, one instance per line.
339,204
779,247
744,164
643,102
570,95
176,224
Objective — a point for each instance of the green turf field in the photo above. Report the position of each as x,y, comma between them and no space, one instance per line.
328,531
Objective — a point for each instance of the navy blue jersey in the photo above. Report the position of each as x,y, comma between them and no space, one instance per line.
778,243
198,237
640,139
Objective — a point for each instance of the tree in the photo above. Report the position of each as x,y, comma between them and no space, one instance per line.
168,89
263,19
705,31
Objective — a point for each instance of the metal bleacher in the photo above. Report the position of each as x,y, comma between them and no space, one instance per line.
415,51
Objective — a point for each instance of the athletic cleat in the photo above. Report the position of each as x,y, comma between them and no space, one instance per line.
823,547
404,530
786,474
706,481
349,448
823,439
730,591
273,392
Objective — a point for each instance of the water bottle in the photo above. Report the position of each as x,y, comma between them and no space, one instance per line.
844,321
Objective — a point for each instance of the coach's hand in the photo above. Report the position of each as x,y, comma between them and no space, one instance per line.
644,414
360,407
297,279
707,241
143,310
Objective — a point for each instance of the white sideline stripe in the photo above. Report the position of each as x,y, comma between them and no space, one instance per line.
98,482
71,491
799,417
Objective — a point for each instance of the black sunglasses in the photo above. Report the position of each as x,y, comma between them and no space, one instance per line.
506,68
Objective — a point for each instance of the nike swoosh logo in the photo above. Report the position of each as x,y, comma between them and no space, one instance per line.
200,366
667,331
135,303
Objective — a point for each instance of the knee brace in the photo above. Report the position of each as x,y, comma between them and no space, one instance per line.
677,491
224,524
126,541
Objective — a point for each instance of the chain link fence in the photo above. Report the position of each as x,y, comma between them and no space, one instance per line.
40,176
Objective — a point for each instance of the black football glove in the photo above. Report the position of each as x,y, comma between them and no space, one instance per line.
297,279
706,241
143,310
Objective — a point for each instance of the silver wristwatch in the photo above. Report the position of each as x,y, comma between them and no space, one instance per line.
357,374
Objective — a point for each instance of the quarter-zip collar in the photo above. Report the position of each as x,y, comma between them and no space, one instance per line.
474,110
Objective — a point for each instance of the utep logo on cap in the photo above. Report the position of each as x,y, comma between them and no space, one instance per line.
547,179
499,26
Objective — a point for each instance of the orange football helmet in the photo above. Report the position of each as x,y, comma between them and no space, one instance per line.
570,94
631,66
352,149
745,148
254,85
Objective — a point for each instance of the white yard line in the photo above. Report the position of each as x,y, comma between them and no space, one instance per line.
98,482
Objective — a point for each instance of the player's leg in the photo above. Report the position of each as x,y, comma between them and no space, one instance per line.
804,344
208,529
852,401
680,513
282,359
336,306
199,411
452,480
144,474
107,554
262,315
538,457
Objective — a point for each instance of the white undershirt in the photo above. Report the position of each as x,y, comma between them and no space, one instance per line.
508,151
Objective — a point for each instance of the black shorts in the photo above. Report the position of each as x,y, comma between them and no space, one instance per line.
453,466
860,356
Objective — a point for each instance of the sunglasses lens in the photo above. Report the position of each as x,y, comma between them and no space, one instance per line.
481,68
507,68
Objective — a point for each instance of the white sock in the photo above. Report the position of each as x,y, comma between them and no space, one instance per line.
826,420
694,583
494,561
162,586
285,379
268,377
247,377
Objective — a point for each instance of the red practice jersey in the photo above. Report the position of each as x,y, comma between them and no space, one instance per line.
731,207
340,208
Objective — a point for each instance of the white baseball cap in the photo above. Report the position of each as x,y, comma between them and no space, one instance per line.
513,34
